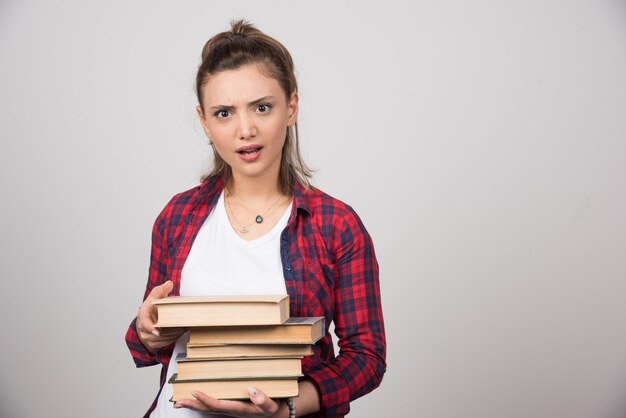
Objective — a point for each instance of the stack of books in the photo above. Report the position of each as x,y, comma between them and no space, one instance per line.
236,342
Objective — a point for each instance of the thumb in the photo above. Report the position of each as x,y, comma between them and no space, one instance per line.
259,399
159,292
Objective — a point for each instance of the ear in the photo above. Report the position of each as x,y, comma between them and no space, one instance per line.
203,121
292,109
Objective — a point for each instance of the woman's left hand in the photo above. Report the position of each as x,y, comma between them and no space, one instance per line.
260,405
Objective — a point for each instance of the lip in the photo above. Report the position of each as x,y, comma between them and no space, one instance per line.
254,152
249,147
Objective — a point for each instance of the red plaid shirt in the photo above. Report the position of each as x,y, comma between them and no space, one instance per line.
330,270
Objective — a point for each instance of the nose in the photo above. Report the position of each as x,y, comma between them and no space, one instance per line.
247,127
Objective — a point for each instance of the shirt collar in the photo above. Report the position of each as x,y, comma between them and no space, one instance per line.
209,189
300,198
214,186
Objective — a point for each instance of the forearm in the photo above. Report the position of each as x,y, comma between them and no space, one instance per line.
346,377
307,402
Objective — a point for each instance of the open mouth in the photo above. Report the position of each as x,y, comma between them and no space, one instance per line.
250,153
249,150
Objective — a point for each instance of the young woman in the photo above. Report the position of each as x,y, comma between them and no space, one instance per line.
256,226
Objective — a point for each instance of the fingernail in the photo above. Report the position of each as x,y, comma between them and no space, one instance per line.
155,332
252,391
194,394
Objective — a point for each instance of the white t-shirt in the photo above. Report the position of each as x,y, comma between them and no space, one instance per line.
220,262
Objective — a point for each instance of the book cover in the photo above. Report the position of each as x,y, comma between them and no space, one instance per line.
195,351
236,388
237,367
195,311
304,330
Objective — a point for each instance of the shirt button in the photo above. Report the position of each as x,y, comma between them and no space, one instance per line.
288,268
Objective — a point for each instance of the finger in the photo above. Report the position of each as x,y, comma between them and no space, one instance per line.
171,332
147,311
168,332
194,404
161,291
146,318
233,408
261,401
201,402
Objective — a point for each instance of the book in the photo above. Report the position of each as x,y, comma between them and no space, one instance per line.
293,331
238,367
195,351
197,311
274,387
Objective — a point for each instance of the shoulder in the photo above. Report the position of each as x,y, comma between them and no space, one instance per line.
336,227
184,201
320,204
329,212
181,204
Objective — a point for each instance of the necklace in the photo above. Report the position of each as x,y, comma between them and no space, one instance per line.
258,219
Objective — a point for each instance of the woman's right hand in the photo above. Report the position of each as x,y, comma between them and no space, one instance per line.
152,337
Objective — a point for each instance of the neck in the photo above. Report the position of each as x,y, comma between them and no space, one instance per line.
255,189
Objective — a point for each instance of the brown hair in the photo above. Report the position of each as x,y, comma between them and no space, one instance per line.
242,45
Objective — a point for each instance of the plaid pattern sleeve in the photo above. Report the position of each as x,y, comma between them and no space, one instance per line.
358,318
331,270
156,275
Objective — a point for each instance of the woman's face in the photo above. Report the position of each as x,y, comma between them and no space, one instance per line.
246,116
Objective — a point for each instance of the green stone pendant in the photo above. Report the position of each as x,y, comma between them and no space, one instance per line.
259,219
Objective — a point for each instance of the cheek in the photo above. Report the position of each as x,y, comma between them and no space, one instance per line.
276,129
221,133
221,145
221,141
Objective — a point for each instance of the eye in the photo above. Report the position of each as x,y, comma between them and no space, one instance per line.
221,114
264,107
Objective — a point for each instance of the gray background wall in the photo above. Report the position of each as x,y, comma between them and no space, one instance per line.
483,144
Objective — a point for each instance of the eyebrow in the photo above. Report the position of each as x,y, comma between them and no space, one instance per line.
252,103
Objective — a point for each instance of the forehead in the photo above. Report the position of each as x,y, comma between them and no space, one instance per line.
242,85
